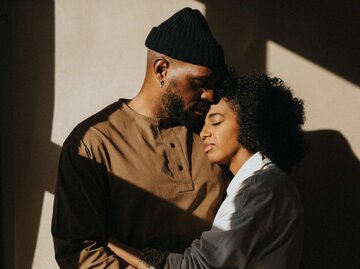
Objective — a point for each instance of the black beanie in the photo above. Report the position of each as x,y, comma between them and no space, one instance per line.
186,36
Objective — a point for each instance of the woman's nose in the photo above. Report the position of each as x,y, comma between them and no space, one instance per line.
204,133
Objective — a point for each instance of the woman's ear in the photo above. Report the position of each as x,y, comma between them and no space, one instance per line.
160,69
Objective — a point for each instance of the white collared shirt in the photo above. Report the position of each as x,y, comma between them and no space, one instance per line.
222,219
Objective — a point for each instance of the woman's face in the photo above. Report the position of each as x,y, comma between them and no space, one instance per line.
220,134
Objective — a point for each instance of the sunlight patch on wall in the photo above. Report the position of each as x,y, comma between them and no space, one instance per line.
44,253
331,102
100,54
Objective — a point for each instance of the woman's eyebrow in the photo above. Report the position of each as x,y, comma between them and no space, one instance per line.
211,115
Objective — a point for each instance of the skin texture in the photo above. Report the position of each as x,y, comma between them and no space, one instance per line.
221,134
175,89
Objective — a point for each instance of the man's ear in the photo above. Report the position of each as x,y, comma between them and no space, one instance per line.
160,68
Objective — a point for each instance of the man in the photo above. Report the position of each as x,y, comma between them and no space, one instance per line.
136,171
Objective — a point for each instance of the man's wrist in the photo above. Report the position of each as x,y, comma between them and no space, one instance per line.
151,258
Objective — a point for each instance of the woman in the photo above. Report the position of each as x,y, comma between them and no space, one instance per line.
255,130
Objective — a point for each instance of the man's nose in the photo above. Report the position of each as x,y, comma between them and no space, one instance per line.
209,95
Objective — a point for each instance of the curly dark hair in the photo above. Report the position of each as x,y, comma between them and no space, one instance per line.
270,118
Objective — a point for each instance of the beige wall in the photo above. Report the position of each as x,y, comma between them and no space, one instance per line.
71,58
100,54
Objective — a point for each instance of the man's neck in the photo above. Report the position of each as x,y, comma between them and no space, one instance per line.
147,104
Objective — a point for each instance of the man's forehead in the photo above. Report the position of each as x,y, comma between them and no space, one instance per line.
212,74
203,72
209,71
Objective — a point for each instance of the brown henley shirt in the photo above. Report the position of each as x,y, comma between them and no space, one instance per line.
144,181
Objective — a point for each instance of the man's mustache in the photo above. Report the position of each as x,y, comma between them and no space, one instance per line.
203,105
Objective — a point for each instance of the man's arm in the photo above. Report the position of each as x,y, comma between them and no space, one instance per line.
129,254
80,211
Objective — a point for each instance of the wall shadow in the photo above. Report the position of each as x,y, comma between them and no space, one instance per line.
321,31
329,184
6,196
32,35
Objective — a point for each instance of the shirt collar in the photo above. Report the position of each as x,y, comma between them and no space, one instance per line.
254,163
161,122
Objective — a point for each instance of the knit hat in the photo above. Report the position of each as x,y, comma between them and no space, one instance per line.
186,36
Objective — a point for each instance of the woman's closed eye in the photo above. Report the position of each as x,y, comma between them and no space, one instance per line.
215,123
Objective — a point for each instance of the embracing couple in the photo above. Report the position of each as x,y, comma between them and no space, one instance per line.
190,173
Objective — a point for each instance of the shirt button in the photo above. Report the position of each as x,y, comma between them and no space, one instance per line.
172,145
180,167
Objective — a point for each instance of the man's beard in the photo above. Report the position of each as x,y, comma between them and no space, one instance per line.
174,106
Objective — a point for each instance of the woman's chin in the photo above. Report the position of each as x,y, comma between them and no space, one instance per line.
214,160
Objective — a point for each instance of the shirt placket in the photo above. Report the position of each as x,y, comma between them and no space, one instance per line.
178,163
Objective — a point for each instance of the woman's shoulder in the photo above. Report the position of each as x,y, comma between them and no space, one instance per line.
270,178
270,186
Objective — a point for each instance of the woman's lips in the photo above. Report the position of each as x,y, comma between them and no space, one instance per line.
208,147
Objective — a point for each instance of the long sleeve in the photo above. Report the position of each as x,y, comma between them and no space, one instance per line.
136,179
79,218
261,227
